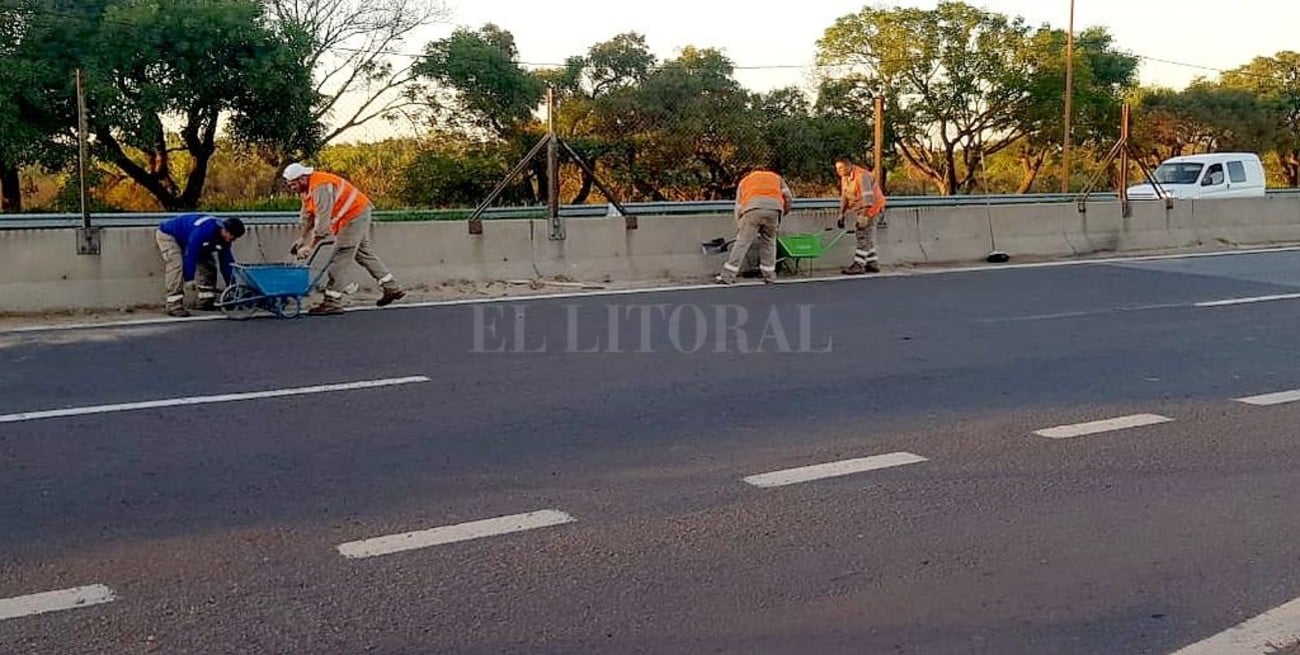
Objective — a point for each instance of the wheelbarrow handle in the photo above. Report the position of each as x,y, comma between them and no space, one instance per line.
320,245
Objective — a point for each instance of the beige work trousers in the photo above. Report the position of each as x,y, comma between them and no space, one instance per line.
353,244
865,227
173,256
757,227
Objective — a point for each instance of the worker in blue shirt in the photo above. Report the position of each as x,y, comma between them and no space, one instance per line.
188,244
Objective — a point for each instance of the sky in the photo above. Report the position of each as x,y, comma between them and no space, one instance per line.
1213,34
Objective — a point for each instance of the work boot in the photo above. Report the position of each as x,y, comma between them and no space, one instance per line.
722,279
856,269
769,280
326,308
873,267
177,312
390,296
208,305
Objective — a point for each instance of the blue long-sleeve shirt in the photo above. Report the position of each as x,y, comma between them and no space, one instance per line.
200,236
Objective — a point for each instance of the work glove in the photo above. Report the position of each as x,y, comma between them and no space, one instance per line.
297,246
840,223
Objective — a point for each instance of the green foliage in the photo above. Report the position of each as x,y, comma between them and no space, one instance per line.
1202,118
194,95
489,91
152,62
1276,81
455,172
962,84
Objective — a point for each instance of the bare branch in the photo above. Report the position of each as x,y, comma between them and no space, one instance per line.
356,51
357,120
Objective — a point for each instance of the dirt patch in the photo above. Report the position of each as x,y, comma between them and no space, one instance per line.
449,290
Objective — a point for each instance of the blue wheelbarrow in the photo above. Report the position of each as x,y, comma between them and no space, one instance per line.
275,288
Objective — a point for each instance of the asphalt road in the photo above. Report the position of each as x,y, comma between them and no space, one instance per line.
216,524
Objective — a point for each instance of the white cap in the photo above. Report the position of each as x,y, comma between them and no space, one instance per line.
296,170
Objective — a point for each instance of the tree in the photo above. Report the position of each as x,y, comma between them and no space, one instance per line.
1204,117
957,80
154,63
585,86
1102,77
352,56
27,135
684,132
485,95
1276,80
802,140
483,88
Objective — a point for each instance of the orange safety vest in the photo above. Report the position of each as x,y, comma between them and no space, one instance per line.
851,188
760,184
349,202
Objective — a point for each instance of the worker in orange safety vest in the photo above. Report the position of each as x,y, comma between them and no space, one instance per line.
331,205
761,200
861,201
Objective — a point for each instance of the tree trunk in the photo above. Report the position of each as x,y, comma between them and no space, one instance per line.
11,191
912,155
585,191
538,193
202,144
950,182
1290,162
1032,166
163,190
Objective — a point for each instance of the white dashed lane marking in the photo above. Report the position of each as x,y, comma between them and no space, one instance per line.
397,543
1279,398
1229,302
1097,427
55,601
832,469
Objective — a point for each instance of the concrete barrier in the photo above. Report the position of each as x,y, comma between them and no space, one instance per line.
1146,229
1248,220
1037,231
40,270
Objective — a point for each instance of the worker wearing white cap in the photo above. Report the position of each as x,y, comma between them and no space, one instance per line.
333,206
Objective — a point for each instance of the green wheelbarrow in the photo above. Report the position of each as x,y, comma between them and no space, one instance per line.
792,250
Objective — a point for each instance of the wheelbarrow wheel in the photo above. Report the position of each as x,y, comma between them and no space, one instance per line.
239,302
287,306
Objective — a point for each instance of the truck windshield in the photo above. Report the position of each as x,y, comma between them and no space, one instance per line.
1179,173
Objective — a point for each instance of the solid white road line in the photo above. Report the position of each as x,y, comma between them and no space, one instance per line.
832,469
1228,302
1108,425
1279,398
204,400
1271,631
55,601
397,543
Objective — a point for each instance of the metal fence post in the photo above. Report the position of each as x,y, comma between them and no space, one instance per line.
88,242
